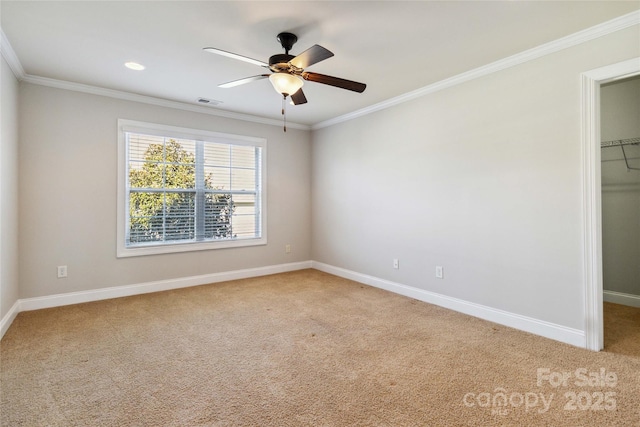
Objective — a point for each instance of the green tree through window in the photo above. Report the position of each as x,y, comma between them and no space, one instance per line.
167,203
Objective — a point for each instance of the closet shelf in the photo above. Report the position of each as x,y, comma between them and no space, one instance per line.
621,143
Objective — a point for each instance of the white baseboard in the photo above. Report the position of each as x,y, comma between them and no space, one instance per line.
621,298
8,318
549,330
59,300
535,326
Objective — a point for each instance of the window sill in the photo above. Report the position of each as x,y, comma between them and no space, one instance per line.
124,252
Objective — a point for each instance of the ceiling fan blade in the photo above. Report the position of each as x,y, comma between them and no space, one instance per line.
299,98
236,56
335,81
243,81
313,55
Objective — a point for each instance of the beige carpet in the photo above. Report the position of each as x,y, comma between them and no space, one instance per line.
621,329
298,349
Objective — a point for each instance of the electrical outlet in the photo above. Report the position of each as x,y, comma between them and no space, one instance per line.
439,272
62,271
396,263
287,249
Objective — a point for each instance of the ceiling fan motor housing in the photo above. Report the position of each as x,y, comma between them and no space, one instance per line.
280,62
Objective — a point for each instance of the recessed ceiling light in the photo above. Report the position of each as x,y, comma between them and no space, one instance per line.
134,66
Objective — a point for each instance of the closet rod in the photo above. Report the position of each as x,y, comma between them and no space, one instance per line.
619,142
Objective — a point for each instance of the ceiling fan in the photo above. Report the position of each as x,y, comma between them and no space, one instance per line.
288,72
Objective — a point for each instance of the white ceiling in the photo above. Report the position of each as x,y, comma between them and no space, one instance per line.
392,46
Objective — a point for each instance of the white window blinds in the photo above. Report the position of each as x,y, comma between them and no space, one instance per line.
193,190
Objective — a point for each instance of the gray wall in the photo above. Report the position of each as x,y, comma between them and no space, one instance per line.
620,119
8,189
67,169
484,179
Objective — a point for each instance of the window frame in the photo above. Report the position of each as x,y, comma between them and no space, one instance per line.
133,126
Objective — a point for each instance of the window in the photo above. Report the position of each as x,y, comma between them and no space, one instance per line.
184,189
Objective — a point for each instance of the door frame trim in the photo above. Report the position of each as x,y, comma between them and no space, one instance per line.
592,198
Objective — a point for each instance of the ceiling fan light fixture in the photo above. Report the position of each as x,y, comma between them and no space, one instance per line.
285,83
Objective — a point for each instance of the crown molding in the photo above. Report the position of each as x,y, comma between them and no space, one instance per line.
10,56
597,31
129,96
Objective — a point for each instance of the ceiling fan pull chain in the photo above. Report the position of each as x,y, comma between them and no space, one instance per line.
284,106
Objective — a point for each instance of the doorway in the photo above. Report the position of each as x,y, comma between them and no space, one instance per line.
592,198
620,186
